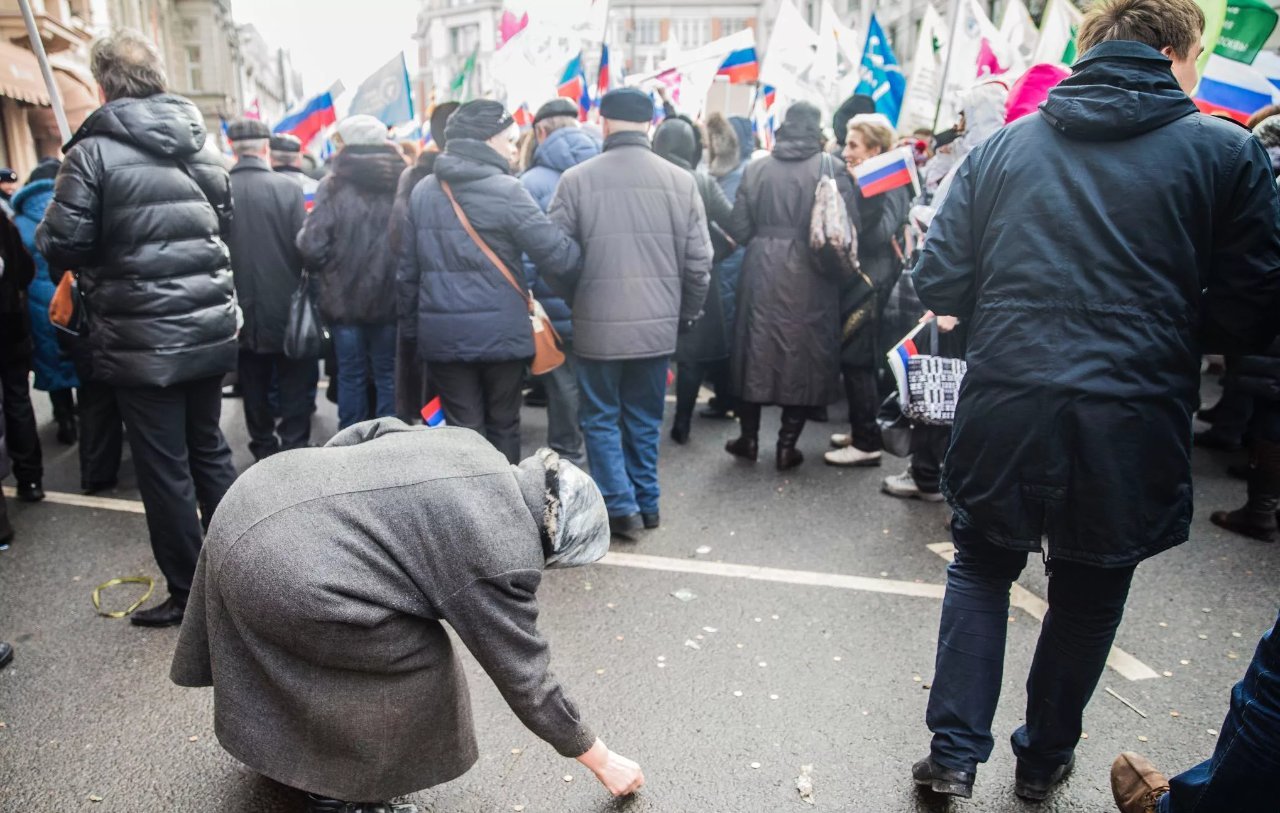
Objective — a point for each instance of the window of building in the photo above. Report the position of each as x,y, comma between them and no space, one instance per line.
195,73
732,25
463,39
692,33
648,32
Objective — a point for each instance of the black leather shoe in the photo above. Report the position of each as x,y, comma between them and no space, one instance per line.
931,775
30,492
628,527
6,654
94,488
1036,787
716,413
319,804
168,614
651,520
744,447
66,432
680,431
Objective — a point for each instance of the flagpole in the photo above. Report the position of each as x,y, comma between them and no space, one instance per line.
37,45
946,68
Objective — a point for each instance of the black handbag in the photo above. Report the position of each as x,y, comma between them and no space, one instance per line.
895,428
305,336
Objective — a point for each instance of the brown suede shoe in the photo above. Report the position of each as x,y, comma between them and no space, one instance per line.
1136,783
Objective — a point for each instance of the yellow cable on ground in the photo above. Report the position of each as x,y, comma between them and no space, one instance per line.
97,600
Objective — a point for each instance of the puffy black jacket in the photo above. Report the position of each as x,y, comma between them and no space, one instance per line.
452,298
344,240
264,252
1096,250
139,210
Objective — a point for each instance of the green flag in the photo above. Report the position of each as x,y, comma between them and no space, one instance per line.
460,88
1245,30
1215,12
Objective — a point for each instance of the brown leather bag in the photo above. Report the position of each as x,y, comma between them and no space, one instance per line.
547,354
65,312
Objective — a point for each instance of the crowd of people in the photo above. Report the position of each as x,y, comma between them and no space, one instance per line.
1082,318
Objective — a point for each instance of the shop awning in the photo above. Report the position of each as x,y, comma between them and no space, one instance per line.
20,75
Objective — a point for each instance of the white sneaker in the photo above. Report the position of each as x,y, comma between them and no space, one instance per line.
904,486
841,441
852,456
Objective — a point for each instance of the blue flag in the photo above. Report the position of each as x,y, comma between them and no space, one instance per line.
385,95
882,78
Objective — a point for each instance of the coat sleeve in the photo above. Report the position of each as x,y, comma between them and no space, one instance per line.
19,267
192,662
851,195
546,244
946,276
315,241
68,235
408,275
696,274
564,214
497,619
1242,286
744,227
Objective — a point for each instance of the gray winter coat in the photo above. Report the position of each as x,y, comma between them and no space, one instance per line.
264,253
646,254
786,345
317,607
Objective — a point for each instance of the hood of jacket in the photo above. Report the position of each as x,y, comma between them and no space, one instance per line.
722,145
566,148
32,199
163,124
465,160
1118,90
675,142
372,167
746,137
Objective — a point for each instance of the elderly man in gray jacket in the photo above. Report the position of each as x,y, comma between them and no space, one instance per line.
318,600
645,273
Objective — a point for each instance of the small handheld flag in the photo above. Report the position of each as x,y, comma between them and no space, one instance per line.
892,170
740,67
433,413
306,124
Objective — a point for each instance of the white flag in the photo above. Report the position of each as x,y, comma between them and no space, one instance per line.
1019,31
790,59
1057,44
921,103
836,58
978,51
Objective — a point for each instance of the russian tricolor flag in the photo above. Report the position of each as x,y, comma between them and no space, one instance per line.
740,67
307,123
309,200
602,78
433,413
573,85
899,360
1234,88
891,170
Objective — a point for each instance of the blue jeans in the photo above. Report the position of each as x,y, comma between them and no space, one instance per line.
1241,773
564,434
362,350
621,414
1085,607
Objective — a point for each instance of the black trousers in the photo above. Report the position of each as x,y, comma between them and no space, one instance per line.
863,394
101,435
292,382
183,467
928,448
689,378
20,434
483,397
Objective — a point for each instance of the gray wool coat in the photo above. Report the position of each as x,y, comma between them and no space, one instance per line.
317,609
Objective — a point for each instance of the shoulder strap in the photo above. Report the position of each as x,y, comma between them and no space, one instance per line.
482,245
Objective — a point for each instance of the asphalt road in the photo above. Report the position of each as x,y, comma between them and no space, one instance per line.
722,698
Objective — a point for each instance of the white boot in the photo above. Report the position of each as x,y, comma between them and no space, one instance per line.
852,456
904,486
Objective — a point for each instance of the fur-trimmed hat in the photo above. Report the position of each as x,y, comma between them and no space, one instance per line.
722,146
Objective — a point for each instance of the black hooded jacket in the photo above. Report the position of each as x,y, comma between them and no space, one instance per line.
344,240
140,210
1095,251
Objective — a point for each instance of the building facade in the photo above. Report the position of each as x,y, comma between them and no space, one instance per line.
268,82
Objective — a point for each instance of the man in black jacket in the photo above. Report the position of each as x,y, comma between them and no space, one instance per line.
268,267
139,211
1087,315
16,272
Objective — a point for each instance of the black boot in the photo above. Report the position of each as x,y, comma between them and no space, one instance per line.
168,614
938,779
6,530
747,446
320,804
680,428
1257,518
64,414
793,419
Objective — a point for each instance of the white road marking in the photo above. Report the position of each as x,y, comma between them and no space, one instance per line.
774,574
1128,666
88,501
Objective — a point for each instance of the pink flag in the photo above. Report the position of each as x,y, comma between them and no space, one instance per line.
1031,89
509,26
988,62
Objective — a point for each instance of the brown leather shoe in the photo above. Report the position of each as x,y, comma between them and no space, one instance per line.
1136,784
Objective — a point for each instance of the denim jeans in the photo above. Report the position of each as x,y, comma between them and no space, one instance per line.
363,350
1085,607
1241,774
564,434
621,413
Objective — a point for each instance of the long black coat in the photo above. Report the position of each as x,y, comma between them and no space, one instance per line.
882,218
786,346
15,317
1096,250
452,299
140,209
344,239
264,251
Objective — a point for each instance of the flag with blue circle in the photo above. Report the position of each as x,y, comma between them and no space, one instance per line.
881,76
